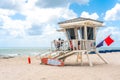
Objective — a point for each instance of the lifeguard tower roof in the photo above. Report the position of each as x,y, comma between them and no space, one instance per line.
80,21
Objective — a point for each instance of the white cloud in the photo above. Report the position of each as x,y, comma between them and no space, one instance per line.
58,3
46,20
113,14
51,3
81,1
41,15
38,22
34,16
6,12
13,28
12,4
106,31
87,15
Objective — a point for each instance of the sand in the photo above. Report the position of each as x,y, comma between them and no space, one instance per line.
18,69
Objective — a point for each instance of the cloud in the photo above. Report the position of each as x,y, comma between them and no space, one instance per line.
14,28
12,4
16,25
49,16
81,1
20,4
51,3
113,14
103,32
1,22
35,30
58,3
36,24
6,12
87,15
2,32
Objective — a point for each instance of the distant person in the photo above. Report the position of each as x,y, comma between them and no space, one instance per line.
57,44
61,41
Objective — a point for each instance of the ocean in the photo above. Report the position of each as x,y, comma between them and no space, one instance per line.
22,51
36,51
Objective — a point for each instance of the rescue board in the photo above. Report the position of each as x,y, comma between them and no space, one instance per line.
53,62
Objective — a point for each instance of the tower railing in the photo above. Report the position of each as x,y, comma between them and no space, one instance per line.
70,45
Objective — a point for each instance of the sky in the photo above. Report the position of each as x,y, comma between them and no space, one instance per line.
33,23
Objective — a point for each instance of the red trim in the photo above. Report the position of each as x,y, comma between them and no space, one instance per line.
71,45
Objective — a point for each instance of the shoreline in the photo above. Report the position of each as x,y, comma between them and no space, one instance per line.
19,52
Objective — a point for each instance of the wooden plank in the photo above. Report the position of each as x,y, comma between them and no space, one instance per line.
101,57
90,63
66,55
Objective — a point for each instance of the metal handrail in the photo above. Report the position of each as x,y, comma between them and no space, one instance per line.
76,44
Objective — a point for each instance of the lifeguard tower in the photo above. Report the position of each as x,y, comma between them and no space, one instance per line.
81,38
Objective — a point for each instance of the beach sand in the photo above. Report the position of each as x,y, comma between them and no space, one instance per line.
18,69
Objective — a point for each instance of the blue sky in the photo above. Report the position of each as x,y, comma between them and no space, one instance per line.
98,6
33,23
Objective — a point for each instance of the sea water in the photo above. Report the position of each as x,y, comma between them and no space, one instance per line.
22,51
37,51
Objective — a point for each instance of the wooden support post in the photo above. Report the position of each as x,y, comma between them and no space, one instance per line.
81,58
101,57
90,63
76,38
78,56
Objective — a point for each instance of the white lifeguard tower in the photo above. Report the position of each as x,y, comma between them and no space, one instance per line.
81,38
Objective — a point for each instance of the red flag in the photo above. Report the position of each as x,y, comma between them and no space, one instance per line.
109,40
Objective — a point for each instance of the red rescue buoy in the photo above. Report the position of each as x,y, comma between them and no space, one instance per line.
29,60
53,62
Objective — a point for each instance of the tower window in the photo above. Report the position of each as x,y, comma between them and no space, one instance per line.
90,33
71,33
